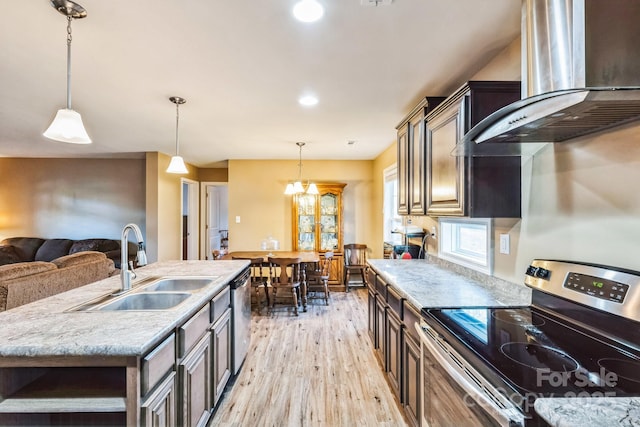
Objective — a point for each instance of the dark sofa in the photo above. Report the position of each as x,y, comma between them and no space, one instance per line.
25,249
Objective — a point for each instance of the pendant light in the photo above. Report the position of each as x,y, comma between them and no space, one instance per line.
67,125
177,163
297,187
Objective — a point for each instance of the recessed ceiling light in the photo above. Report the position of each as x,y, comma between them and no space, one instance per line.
308,11
308,100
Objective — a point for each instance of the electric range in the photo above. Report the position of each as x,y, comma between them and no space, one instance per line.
580,337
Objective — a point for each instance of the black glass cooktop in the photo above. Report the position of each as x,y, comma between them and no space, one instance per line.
536,355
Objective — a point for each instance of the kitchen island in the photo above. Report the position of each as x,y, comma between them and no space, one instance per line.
59,365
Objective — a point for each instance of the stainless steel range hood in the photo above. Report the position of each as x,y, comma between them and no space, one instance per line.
580,73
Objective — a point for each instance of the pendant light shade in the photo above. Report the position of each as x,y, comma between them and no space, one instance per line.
177,163
297,187
67,126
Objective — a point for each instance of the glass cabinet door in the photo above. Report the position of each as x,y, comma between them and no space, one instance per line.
328,222
306,222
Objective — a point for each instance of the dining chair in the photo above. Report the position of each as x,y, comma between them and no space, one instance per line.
285,273
355,260
259,278
318,276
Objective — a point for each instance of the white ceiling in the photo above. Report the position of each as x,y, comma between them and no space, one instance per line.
241,65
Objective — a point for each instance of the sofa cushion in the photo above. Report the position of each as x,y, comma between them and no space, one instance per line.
78,258
22,269
100,245
8,255
25,247
52,249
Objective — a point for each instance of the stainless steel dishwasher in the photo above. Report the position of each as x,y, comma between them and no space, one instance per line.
240,318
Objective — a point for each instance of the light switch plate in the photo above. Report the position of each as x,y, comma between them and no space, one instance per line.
504,244
237,219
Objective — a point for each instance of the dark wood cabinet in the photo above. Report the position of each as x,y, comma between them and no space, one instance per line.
481,187
394,350
221,336
412,158
411,395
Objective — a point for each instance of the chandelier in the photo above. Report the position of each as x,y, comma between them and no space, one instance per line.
297,187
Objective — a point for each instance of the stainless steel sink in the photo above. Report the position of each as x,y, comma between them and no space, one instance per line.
145,301
170,284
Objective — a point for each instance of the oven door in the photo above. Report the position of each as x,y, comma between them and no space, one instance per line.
454,393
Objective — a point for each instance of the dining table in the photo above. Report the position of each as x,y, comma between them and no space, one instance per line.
306,258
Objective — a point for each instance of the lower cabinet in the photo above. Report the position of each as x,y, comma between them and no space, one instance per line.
159,409
195,384
394,347
391,328
411,392
221,338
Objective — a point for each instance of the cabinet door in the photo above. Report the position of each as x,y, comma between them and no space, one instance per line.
394,348
159,409
411,379
305,231
417,158
403,171
329,222
371,312
221,337
380,331
195,384
446,174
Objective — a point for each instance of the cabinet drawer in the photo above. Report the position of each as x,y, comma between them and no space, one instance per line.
381,287
157,363
394,300
220,303
192,330
411,317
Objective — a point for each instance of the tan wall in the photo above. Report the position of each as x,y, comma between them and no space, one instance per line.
213,175
70,198
256,194
164,208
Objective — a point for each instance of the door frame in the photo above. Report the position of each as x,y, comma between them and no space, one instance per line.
193,218
204,235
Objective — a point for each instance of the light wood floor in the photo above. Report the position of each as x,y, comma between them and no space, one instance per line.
317,369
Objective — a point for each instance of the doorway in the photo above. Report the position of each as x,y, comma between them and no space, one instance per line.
215,230
190,219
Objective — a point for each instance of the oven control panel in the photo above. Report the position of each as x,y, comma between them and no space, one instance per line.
596,287
611,289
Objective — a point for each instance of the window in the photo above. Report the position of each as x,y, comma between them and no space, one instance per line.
392,221
467,242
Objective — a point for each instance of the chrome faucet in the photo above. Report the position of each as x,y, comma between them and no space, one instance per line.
126,268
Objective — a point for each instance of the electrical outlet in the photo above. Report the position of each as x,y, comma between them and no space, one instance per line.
237,219
504,244
433,232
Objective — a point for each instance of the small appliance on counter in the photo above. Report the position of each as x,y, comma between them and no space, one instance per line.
580,337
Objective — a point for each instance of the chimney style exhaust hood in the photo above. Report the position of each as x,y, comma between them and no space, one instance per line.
580,75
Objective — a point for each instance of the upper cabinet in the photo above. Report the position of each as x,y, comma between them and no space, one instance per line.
412,159
481,187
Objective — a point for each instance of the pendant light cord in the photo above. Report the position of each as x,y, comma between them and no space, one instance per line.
300,144
69,18
177,122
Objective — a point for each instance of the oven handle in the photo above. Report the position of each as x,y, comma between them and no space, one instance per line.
508,416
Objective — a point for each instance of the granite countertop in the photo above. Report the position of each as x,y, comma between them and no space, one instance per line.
434,283
585,411
44,328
